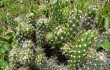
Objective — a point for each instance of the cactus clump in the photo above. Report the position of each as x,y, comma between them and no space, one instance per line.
54,35
20,56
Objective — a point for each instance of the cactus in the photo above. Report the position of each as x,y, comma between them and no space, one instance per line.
27,44
59,10
102,40
51,65
39,57
21,55
10,20
41,29
54,35
30,19
83,42
89,18
9,67
64,32
59,34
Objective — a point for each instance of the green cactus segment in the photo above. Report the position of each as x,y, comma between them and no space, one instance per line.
65,14
54,35
91,10
83,42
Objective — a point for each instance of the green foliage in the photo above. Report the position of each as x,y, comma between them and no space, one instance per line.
4,46
5,41
3,64
107,22
105,45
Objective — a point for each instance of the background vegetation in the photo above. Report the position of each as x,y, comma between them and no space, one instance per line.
54,35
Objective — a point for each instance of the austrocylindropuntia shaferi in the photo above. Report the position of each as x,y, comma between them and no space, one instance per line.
83,42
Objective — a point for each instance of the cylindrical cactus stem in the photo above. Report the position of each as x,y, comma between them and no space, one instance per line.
83,42
41,27
31,19
10,20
